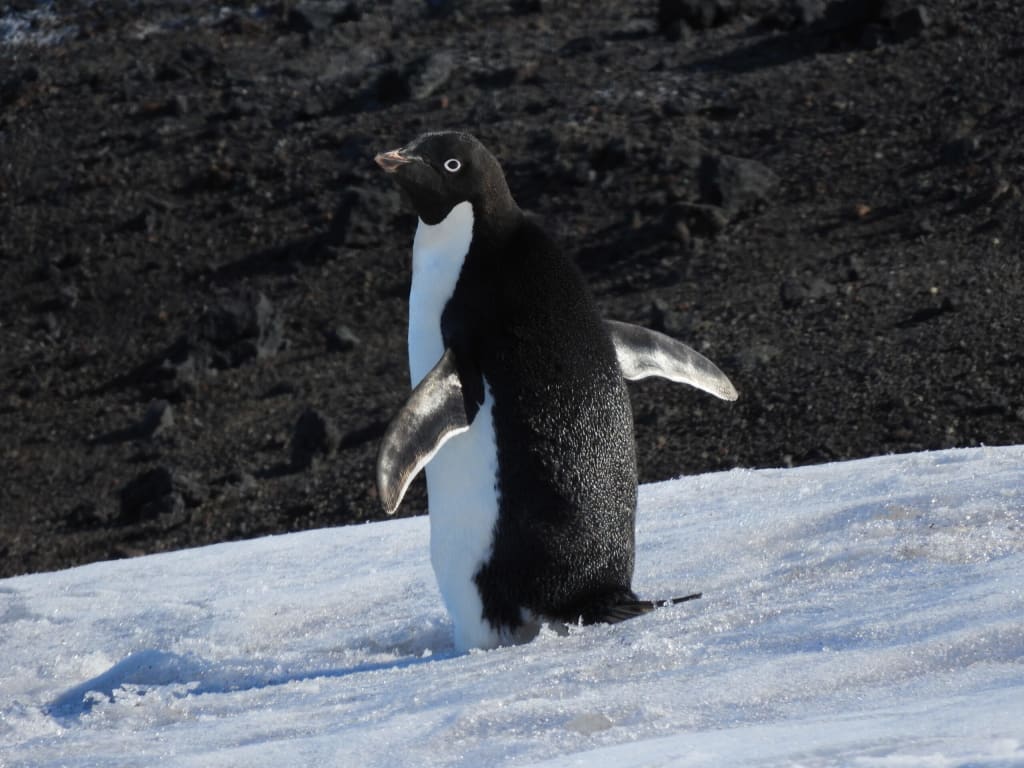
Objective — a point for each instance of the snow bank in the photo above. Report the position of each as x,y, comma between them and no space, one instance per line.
868,613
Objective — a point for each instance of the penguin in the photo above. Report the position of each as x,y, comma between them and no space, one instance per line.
519,412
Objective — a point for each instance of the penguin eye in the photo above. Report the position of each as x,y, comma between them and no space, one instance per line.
452,165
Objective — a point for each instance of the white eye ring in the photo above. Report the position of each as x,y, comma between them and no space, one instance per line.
452,165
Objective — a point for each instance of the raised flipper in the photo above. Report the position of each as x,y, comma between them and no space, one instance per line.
643,353
434,413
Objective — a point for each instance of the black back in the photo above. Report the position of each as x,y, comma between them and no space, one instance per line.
564,428
522,317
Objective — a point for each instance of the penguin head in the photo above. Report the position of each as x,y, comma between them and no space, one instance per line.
437,171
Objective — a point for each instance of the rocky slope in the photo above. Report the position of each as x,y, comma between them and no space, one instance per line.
204,275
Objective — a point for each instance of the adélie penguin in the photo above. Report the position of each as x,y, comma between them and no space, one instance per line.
519,412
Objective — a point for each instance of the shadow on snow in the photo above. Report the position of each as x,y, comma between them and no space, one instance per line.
197,676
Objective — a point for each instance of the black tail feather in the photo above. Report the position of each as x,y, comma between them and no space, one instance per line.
629,609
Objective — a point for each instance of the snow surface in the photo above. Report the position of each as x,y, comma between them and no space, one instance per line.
868,613
37,26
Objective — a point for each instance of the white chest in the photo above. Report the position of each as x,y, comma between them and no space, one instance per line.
462,477
438,252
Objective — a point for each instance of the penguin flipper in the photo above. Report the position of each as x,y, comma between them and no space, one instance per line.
434,413
643,353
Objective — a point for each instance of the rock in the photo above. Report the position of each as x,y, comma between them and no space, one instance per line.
157,420
736,184
854,269
391,86
700,220
668,320
849,15
242,327
310,108
170,510
15,86
84,517
922,227
960,150
243,480
678,230
313,436
341,339
581,45
67,296
319,16
697,14
819,288
50,324
756,355
613,154
794,291
439,9
178,106
888,10
173,374
926,314
430,75
352,67
270,328
674,31
634,29
807,12
159,492
795,13
872,36
143,221
522,7
282,388
910,24
874,22
178,373
670,20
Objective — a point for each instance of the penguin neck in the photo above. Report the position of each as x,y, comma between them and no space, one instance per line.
498,212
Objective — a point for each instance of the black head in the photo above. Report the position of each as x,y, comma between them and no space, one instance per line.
438,171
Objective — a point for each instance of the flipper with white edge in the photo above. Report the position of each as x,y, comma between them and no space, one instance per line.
434,413
643,353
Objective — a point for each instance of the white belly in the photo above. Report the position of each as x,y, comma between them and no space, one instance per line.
463,511
462,477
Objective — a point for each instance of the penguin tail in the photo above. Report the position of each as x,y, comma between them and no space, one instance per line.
622,610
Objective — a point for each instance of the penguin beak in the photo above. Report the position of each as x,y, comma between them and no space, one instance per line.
392,161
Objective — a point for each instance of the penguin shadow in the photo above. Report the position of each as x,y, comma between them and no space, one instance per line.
189,675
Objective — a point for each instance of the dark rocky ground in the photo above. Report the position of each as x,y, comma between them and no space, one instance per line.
205,276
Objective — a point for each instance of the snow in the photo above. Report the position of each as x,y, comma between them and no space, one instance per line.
867,613
37,26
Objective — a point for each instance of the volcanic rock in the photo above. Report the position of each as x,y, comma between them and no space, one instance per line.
735,184
314,436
